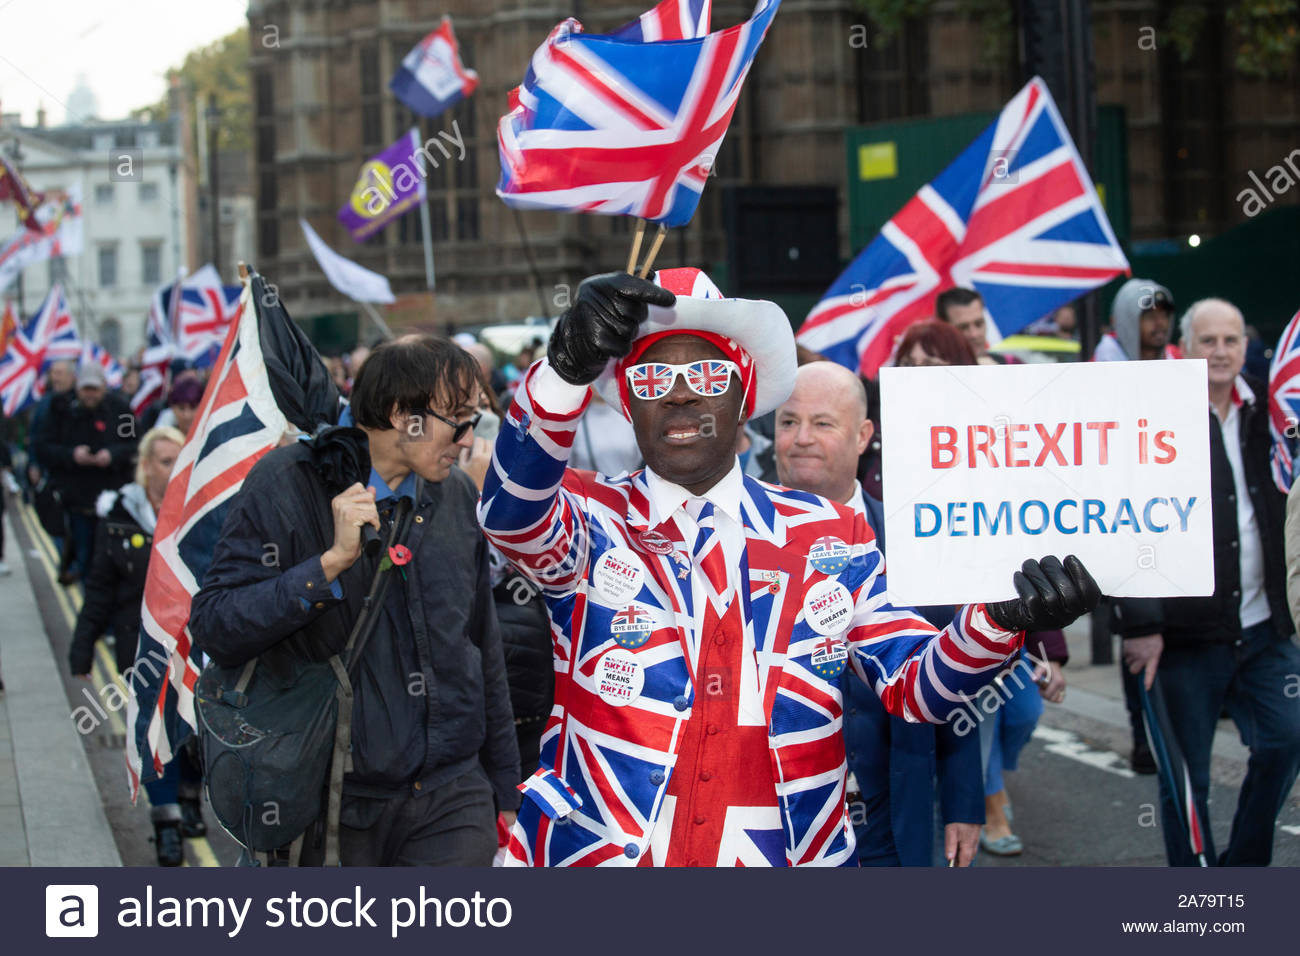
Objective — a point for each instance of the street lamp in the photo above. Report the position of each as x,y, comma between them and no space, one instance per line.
213,117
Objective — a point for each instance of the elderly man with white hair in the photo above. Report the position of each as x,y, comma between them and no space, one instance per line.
1231,649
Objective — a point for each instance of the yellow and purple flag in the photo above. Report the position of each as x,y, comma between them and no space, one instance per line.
391,184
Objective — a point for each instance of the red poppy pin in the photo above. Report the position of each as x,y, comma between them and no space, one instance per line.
101,426
400,554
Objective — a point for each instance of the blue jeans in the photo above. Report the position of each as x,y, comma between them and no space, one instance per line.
1004,734
1255,680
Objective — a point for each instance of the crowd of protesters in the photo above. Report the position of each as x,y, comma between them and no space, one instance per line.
429,776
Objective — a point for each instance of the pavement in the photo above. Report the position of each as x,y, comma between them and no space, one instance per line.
51,813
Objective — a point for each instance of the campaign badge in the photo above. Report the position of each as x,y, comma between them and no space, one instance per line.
829,657
655,542
828,607
773,579
631,627
619,678
137,540
618,576
829,555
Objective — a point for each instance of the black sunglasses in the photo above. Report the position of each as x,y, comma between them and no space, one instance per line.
458,429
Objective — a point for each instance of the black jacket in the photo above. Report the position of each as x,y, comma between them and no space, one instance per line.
68,424
115,585
530,671
423,714
1217,619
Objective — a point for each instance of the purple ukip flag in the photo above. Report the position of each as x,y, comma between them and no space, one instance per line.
391,184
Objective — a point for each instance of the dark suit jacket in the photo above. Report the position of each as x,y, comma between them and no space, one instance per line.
896,765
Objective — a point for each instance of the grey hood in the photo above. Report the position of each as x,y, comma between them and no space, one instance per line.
1133,298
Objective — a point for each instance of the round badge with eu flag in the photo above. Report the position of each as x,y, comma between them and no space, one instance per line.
829,657
631,627
829,555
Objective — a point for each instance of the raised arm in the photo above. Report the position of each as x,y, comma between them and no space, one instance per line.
525,510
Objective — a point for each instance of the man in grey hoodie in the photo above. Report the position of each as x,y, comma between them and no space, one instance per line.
1141,316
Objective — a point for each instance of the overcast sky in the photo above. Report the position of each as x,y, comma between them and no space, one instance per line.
123,49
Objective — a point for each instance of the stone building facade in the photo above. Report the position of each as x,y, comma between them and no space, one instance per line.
321,105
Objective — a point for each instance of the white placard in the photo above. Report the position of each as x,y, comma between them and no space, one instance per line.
987,466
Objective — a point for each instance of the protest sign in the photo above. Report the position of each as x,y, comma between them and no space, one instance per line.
987,466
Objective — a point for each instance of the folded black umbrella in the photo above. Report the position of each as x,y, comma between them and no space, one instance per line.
1172,766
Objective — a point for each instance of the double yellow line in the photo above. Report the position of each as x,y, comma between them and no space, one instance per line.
105,669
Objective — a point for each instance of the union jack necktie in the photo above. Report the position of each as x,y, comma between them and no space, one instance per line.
707,554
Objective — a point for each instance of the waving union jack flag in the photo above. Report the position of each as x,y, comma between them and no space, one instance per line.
203,315
621,123
1015,217
1284,404
96,354
50,335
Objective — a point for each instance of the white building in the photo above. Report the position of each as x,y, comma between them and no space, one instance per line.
133,183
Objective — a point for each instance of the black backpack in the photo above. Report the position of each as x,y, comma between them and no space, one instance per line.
275,734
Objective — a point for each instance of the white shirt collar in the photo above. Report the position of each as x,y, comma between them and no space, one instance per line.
857,501
666,497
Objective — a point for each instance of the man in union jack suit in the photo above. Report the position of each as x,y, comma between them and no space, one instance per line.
701,618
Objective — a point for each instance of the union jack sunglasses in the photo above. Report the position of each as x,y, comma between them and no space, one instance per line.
653,380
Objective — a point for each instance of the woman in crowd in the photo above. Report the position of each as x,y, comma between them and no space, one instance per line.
114,589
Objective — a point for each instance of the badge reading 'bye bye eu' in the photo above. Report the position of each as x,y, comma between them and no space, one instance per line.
631,627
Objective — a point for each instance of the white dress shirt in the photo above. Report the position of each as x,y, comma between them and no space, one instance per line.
1250,551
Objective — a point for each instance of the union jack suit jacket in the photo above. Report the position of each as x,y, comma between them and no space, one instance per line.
605,767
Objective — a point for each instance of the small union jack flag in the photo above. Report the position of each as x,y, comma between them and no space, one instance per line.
96,354
622,124
203,315
1284,404
49,336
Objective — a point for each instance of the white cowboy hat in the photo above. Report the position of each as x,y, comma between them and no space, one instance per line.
759,327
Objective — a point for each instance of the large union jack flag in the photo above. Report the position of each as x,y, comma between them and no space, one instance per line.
238,422
1015,216
1284,404
621,123
49,336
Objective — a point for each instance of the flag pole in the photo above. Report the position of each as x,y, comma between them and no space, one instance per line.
427,229
654,250
376,318
636,246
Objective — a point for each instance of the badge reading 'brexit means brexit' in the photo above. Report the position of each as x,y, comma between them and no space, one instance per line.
631,627
829,555
829,657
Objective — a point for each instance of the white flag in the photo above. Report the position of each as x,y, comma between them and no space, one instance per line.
354,281
62,233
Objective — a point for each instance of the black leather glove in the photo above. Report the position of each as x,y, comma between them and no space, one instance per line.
1052,595
601,324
